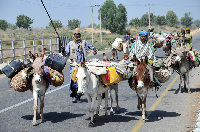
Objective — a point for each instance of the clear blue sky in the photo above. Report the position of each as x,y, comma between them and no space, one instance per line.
65,10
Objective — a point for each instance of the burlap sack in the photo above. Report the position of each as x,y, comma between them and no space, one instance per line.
20,82
57,78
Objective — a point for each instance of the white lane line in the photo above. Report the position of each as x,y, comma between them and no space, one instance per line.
28,100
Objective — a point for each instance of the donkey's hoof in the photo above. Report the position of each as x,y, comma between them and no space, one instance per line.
42,120
118,112
91,124
143,121
34,123
189,92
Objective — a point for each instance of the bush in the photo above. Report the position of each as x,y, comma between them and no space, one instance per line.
38,42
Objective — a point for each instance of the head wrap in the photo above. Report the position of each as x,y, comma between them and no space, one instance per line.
143,32
182,29
187,28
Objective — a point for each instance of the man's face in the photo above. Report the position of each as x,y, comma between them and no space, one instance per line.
78,35
187,31
182,31
143,38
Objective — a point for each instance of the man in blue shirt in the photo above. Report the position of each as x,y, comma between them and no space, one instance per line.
128,37
76,51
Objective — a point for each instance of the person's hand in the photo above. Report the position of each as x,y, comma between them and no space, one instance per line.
94,51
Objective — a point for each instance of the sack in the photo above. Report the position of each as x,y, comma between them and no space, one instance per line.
56,62
57,78
12,68
163,74
193,58
20,82
120,47
96,68
112,77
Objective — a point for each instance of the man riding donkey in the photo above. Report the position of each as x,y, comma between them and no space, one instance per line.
76,51
188,39
142,48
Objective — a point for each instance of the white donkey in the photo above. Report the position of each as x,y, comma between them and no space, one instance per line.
91,85
39,85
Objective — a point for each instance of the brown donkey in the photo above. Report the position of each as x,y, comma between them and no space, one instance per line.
39,85
140,82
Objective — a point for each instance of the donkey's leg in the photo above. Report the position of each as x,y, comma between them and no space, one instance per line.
144,108
41,107
98,106
187,79
106,102
111,100
180,83
116,97
92,109
139,103
35,97
116,53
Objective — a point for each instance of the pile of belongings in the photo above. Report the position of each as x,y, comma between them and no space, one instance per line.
20,75
110,72
161,72
56,63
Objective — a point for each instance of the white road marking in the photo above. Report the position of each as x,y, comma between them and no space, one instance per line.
28,100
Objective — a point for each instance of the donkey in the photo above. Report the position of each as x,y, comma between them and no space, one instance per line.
91,85
183,67
39,85
140,82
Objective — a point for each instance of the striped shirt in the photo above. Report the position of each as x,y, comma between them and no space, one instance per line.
142,49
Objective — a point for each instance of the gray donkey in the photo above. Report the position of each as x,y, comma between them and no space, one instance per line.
183,68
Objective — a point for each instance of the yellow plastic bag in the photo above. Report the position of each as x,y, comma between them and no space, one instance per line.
73,75
112,77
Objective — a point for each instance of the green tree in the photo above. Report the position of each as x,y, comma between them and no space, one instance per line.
24,21
172,19
197,23
72,24
108,14
186,20
57,24
3,24
135,22
90,26
144,21
160,20
121,18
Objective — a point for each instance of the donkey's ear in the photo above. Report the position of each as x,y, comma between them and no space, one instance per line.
43,52
32,55
137,61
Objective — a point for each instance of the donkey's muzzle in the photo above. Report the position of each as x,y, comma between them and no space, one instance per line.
80,93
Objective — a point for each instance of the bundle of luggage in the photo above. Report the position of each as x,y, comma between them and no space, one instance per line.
21,76
110,73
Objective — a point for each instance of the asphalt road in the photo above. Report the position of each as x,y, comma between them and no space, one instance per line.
168,113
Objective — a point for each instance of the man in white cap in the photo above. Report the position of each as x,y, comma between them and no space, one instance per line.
76,51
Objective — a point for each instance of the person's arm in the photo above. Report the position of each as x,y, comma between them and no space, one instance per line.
90,46
67,49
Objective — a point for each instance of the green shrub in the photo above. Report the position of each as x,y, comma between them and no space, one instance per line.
38,42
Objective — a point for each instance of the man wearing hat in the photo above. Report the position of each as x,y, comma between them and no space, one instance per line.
128,37
142,48
76,52
182,34
188,38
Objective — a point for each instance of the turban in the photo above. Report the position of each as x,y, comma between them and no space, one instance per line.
77,30
143,32
187,28
182,29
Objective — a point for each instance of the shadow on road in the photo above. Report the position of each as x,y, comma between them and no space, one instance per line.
158,115
102,120
55,117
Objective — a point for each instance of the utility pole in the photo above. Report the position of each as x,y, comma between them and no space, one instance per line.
100,21
92,24
149,14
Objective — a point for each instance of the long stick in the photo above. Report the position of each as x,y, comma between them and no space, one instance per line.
52,24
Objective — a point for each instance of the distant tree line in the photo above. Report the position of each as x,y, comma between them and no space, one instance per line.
113,18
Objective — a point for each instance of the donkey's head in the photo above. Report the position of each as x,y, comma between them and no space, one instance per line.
141,74
38,67
82,77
